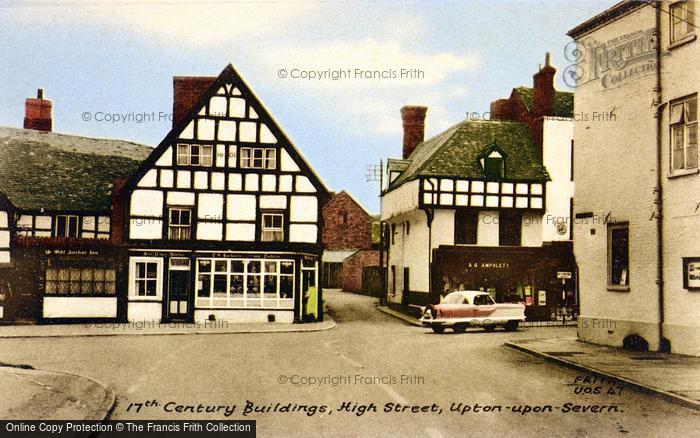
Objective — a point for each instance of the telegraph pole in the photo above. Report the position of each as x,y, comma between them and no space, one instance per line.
375,173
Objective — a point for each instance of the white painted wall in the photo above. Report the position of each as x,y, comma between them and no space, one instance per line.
400,200
557,136
303,208
242,232
166,158
210,206
531,231
487,228
307,233
287,163
146,229
210,231
149,179
79,307
613,172
241,315
147,203
682,217
180,198
240,207
144,311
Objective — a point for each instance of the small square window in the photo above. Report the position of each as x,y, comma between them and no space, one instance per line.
272,227
683,118
682,15
179,223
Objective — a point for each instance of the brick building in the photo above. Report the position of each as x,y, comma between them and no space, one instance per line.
351,256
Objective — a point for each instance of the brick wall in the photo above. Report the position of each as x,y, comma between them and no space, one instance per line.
346,225
186,92
353,266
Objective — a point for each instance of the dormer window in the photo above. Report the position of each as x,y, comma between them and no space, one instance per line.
493,162
494,168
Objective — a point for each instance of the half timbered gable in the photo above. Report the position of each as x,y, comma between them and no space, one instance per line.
226,173
224,218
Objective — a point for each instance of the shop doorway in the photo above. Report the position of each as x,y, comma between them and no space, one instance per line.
18,304
178,307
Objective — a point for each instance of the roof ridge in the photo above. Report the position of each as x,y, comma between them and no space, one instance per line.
61,134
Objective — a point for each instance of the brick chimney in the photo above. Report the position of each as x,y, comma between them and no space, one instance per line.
543,82
413,118
38,113
502,109
186,92
118,221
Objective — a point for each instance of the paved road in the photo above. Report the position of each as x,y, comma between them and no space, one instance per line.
448,370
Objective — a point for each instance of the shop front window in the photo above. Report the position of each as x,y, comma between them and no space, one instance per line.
80,281
236,283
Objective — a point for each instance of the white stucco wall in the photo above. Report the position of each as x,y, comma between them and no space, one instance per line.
681,198
79,307
556,155
614,166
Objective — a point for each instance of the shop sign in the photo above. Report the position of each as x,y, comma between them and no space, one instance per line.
72,252
564,275
691,273
488,265
542,298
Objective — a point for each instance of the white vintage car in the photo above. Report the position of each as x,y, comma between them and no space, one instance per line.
462,309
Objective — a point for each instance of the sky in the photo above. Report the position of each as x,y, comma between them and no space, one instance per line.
118,58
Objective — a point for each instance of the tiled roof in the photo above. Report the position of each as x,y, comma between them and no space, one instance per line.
563,101
63,172
455,152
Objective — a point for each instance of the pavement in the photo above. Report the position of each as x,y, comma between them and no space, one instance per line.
150,328
51,395
673,377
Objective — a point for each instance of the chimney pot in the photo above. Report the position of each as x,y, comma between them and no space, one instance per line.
186,92
413,118
38,113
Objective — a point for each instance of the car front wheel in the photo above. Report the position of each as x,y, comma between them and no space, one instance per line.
511,326
438,329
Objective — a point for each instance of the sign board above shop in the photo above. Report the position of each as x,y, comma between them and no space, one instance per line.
564,275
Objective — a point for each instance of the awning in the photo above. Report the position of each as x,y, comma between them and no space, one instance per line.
337,256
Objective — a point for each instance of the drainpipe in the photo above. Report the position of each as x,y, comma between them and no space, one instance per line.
659,180
383,271
430,215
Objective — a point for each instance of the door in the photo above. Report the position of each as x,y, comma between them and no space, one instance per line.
178,290
20,296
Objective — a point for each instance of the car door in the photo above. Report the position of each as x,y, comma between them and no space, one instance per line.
461,309
484,306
